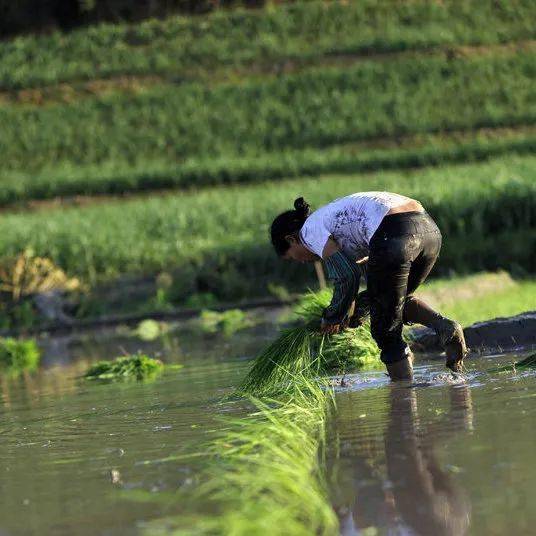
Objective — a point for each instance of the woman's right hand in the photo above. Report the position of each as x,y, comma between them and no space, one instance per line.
329,329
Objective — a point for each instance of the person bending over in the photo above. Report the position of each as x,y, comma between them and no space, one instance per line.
395,242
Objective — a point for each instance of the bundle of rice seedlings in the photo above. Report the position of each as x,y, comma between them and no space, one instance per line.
303,351
260,474
138,367
18,356
527,363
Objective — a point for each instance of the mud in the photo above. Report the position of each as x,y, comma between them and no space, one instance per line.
500,334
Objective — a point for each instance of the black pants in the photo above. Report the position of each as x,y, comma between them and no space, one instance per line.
402,252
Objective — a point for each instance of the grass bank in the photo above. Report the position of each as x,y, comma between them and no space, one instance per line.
480,297
400,152
189,47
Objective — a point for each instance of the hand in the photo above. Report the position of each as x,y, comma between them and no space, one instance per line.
329,329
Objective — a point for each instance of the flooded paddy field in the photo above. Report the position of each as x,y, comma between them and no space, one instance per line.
443,455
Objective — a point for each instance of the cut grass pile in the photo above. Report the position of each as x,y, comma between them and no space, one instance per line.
262,474
302,351
18,356
133,367
181,48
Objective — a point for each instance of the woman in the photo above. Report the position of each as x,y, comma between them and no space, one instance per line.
398,242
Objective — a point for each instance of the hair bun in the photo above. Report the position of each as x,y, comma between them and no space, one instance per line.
302,207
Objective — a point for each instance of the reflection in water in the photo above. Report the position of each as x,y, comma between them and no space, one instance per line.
407,488
424,494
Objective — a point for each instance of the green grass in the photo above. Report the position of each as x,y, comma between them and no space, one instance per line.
217,240
527,363
18,356
396,153
262,473
302,352
311,109
188,47
516,298
133,367
190,125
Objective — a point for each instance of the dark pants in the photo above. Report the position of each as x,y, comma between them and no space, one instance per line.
402,252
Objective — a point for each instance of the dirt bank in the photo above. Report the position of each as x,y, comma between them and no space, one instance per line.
498,334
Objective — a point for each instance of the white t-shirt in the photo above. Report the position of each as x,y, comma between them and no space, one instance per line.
351,220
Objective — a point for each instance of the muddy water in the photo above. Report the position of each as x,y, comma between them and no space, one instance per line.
78,457
438,457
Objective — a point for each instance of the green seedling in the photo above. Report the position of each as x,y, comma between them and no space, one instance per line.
18,356
260,474
131,367
227,322
302,351
525,364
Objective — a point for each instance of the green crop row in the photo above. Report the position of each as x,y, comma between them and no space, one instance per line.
312,109
195,173
183,47
217,240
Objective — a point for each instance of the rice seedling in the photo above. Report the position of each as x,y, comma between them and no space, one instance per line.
130,367
17,356
150,330
301,351
528,362
261,474
227,322
525,364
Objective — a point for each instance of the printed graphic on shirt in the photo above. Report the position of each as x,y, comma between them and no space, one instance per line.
351,220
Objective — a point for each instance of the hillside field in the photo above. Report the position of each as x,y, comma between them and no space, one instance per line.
167,146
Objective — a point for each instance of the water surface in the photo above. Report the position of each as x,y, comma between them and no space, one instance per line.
443,456
440,456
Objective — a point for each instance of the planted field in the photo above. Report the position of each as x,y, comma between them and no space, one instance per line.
187,47
216,240
239,113
400,153
193,135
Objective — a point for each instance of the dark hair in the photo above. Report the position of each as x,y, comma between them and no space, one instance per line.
288,223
